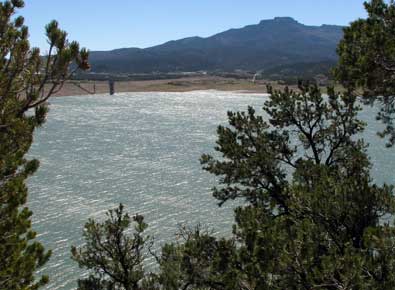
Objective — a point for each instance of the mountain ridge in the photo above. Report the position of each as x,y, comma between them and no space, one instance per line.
272,42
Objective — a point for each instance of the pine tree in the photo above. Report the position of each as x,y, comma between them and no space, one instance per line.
367,60
311,216
27,80
312,219
115,257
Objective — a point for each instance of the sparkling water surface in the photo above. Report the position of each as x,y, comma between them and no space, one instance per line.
142,150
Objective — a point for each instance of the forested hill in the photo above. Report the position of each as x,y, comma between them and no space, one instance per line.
281,41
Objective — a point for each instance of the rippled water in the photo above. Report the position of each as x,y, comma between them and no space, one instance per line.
141,149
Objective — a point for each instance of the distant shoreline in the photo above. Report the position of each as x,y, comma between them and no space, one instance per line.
76,88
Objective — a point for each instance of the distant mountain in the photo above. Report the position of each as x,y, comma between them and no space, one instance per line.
278,42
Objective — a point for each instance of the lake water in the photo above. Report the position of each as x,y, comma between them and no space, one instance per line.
142,150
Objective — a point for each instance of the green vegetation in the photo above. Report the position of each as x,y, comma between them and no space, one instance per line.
23,108
319,228
312,217
115,257
367,60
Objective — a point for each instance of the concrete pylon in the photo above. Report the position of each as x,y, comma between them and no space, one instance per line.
111,86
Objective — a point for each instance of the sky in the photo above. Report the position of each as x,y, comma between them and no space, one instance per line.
106,25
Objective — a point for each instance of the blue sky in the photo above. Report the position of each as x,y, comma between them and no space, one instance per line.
104,25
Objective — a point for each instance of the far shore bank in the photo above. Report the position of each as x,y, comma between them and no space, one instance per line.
76,88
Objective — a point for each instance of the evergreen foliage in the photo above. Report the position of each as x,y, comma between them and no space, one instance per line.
27,80
367,60
115,257
312,217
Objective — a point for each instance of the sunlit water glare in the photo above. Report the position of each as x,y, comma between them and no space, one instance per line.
142,150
